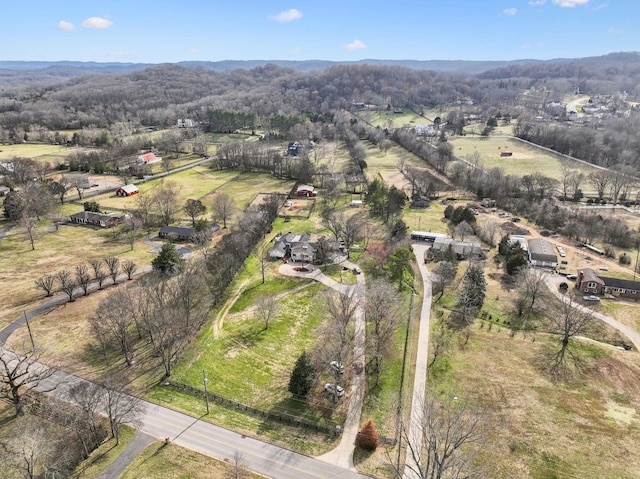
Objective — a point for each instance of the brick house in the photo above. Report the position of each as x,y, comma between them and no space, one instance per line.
104,220
590,282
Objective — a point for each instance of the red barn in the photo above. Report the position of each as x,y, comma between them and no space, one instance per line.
127,190
306,190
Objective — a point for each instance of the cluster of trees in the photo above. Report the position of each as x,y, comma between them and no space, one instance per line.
163,310
84,276
230,253
260,156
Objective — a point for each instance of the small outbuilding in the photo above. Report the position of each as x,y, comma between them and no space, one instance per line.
127,190
306,191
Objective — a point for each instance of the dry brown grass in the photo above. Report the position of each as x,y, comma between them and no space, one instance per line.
55,250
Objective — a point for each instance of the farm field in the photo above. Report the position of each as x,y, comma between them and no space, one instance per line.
45,153
526,159
55,250
389,119
193,183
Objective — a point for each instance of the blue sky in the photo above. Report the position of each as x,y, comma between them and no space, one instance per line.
212,30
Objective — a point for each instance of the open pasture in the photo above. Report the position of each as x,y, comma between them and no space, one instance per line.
404,118
525,159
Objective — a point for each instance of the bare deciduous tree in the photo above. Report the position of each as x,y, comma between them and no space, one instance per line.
129,267
83,278
113,264
121,408
382,313
67,284
267,309
223,208
98,273
113,323
450,434
165,199
20,373
46,283
567,321
444,274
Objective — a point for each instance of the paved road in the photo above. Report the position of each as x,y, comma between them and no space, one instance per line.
415,433
215,441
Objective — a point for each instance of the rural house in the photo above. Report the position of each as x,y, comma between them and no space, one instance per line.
590,282
148,159
541,253
177,233
462,249
127,190
286,244
104,220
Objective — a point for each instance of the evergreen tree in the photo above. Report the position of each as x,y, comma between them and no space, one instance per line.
302,376
169,260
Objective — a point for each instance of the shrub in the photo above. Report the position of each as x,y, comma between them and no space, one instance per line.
368,436
624,259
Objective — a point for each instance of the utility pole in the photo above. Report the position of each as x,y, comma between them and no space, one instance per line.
206,396
26,320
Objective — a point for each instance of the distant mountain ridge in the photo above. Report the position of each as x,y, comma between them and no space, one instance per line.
13,73
460,66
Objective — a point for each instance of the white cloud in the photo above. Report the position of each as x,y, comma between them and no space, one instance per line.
192,50
537,3
97,23
295,50
355,45
570,3
510,12
67,26
286,16
525,46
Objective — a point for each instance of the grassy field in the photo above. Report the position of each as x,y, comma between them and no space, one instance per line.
193,183
45,153
543,429
390,119
526,159
162,461
55,250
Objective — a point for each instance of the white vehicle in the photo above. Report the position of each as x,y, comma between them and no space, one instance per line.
591,297
337,367
572,277
334,389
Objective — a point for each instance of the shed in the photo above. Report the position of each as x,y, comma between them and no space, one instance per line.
148,159
127,190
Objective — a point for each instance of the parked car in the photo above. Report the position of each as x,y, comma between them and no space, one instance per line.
356,271
337,367
591,297
572,277
334,389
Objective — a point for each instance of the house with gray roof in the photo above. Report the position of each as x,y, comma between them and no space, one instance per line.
541,253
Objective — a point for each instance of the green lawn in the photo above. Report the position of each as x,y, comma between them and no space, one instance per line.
53,154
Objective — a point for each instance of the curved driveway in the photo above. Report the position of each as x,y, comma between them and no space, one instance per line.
342,455
415,431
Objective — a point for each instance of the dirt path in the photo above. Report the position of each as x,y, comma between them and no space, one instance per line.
219,321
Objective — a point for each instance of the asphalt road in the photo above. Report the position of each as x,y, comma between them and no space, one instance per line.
215,441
